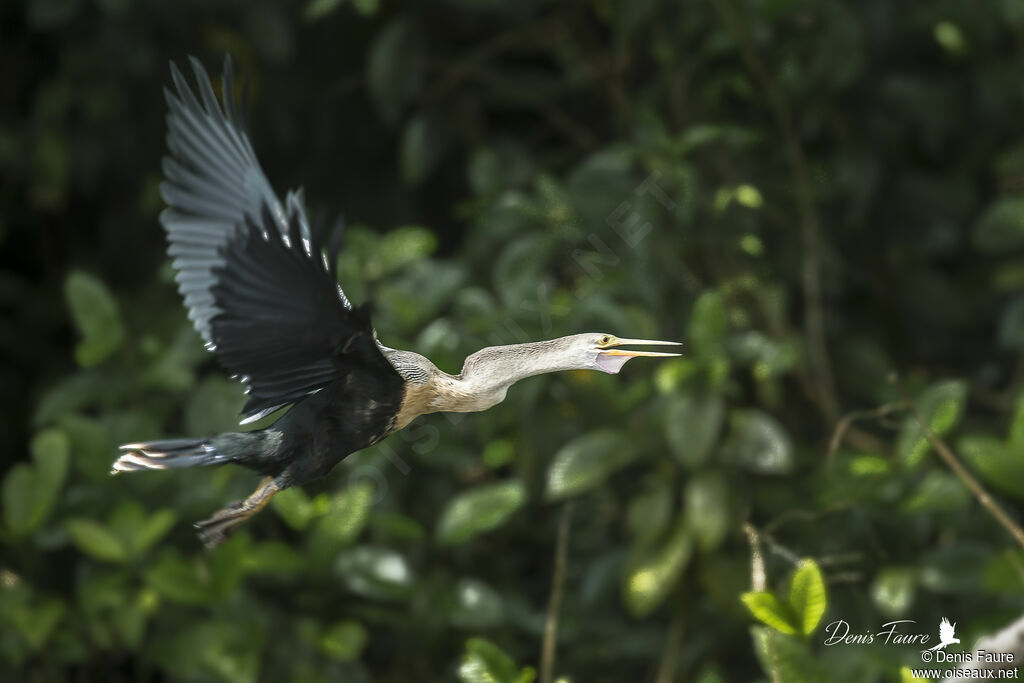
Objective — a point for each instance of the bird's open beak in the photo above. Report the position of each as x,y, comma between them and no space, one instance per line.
611,359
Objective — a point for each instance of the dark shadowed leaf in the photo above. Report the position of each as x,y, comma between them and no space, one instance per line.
96,316
941,405
758,442
586,461
693,422
479,509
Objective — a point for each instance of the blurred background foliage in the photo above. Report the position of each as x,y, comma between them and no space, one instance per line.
813,195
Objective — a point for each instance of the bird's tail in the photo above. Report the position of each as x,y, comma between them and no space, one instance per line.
168,454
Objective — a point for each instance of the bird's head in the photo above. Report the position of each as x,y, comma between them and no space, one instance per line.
600,351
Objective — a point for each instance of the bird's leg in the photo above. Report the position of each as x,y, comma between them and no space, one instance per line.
222,524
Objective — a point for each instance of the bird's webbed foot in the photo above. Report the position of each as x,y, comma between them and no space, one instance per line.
217,528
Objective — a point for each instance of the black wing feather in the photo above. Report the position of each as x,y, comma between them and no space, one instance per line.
254,280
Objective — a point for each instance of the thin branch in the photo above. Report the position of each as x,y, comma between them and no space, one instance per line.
758,579
670,654
822,382
844,424
946,453
547,654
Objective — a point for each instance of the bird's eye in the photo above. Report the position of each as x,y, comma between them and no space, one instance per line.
605,339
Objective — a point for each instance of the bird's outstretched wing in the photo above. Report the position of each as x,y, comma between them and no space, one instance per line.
946,633
257,286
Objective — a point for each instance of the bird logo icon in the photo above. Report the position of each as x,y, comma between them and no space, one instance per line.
946,635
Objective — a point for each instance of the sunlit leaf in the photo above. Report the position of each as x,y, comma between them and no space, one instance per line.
772,611
485,662
807,596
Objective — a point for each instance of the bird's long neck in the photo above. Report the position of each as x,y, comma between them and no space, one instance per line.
487,374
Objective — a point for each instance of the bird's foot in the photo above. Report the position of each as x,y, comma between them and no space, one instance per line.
217,528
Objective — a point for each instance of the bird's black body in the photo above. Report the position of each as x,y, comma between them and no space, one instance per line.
265,298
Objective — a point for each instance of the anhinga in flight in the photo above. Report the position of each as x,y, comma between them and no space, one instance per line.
264,297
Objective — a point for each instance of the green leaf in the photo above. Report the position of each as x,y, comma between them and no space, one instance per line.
941,405
1001,227
153,529
317,9
375,572
214,406
475,605
178,579
707,324
652,575
422,146
96,540
294,506
692,425
485,662
30,491
998,465
1011,325
759,443
649,513
344,641
938,491
770,610
37,622
807,596
348,513
586,461
479,509
393,71
707,508
96,316
893,589
785,658
399,248
1017,425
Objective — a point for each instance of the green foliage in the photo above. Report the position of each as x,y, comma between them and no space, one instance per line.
478,510
587,461
30,491
514,171
484,662
801,612
96,316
